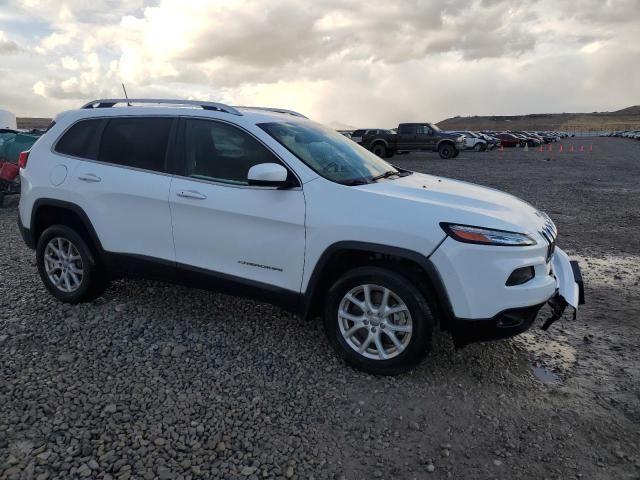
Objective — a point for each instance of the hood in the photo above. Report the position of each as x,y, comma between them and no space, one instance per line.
450,135
461,202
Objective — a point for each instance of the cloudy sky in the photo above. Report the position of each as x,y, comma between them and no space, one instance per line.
360,63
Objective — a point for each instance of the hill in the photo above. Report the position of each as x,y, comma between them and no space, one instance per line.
625,119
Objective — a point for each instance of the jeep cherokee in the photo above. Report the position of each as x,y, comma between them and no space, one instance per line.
269,205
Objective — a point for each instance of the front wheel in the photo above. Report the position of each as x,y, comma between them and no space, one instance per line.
446,151
379,150
378,321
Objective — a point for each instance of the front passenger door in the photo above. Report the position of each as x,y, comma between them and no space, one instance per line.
223,227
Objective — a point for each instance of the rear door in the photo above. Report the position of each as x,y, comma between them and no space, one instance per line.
406,137
224,228
124,187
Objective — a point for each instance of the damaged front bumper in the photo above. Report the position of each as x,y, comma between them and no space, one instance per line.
569,292
570,287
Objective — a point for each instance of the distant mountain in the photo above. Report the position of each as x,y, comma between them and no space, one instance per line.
625,119
635,110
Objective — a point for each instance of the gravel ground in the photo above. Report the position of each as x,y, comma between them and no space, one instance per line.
157,381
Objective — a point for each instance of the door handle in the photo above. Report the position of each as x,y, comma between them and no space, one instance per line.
89,177
191,194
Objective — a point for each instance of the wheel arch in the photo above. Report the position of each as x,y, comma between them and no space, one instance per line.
442,141
340,257
49,211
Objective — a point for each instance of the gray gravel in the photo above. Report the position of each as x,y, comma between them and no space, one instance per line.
157,381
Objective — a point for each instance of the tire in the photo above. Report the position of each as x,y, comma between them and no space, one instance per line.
82,274
446,150
1,199
412,323
477,147
456,152
380,150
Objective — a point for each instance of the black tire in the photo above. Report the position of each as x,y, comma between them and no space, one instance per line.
477,147
93,281
456,152
418,343
446,150
380,150
1,199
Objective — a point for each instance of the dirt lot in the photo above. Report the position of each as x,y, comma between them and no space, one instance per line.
156,381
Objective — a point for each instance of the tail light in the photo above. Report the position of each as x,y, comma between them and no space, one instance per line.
23,158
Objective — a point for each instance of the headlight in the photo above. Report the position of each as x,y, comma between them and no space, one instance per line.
486,236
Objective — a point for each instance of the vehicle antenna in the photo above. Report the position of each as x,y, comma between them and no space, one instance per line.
125,95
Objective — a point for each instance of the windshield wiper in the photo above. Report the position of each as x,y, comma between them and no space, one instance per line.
354,182
388,174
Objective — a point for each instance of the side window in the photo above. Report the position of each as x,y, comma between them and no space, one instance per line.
221,152
136,142
407,130
78,141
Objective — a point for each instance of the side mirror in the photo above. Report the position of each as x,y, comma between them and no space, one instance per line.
268,175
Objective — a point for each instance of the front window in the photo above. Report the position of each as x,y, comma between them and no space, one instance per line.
327,152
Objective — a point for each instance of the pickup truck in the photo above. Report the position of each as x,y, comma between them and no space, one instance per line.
413,137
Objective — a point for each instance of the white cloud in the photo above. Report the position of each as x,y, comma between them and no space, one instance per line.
363,63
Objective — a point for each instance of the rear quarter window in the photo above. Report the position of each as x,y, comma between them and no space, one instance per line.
80,140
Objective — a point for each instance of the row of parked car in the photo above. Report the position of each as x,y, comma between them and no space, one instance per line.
410,137
633,134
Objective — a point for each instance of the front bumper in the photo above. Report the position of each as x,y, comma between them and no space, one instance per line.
559,284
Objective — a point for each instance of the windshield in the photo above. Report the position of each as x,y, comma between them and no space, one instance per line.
328,153
435,128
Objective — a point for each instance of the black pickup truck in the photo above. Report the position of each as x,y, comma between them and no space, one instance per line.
411,137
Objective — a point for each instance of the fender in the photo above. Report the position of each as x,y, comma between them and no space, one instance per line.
380,140
445,140
72,207
429,268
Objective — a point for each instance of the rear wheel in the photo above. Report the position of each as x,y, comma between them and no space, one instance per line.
67,265
378,321
446,150
477,147
380,150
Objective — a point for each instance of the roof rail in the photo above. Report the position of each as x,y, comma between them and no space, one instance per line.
110,102
276,110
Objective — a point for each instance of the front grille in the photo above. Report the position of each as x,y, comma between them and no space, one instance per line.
550,233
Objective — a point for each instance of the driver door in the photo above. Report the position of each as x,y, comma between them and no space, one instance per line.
222,226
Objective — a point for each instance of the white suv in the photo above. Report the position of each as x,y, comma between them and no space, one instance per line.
269,205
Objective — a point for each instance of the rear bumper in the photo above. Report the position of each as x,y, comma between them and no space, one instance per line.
26,234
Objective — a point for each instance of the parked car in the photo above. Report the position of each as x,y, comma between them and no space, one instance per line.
270,205
472,141
415,137
366,136
12,143
510,140
492,142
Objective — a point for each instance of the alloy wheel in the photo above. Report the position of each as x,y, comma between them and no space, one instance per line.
375,322
63,264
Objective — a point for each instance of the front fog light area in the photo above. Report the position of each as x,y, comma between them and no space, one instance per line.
520,276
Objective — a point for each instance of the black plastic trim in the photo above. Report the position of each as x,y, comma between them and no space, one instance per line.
140,266
26,234
51,202
466,331
446,311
